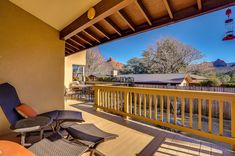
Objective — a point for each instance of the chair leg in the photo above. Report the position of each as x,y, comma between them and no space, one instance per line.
23,135
41,134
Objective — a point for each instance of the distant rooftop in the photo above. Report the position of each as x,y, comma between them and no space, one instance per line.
161,78
157,78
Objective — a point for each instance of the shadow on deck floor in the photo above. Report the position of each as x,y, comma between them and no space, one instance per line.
162,143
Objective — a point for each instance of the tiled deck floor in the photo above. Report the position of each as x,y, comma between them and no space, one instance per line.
143,140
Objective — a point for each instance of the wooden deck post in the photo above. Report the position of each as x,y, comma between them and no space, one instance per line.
97,99
126,104
233,121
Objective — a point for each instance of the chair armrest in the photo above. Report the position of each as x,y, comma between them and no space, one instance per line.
27,129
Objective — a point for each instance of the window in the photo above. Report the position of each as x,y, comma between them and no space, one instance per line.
78,72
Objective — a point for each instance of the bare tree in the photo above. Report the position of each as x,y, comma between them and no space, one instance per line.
94,62
133,66
168,55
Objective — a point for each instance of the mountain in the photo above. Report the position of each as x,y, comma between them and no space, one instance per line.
219,66
220,63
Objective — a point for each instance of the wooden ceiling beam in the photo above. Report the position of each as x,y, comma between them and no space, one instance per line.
84,40
91,35
125,18
72,46
199,4
113,26
67,53
168,8
76,42
144,11
100,30
70,51
103,9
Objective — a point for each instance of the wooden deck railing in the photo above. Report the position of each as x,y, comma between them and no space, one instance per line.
166,107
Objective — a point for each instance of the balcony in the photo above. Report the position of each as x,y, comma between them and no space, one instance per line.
136,138
129,113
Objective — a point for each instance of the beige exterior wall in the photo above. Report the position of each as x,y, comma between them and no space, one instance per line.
31,59
77,59
184,83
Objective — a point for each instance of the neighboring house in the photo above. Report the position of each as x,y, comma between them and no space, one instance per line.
112,67
196,79
165,79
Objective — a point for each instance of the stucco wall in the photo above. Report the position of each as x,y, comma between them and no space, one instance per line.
77,59
31,59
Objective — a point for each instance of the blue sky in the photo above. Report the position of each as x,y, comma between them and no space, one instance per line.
204,33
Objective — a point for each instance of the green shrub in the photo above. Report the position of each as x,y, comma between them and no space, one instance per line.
211,83
229,85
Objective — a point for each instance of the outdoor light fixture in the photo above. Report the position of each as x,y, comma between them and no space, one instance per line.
91,13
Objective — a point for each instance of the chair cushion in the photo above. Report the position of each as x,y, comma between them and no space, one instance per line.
26,111
8,101
89,134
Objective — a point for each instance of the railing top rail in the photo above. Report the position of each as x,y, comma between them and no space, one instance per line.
167,91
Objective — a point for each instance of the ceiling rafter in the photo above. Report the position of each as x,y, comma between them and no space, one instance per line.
76,42
100,30
67,43
91,35
103,9
113,25
168,8
199,4
125,17
84,40
67,53
144,11
70,51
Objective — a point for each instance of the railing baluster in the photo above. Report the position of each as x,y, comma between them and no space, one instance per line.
139,104
190,112
103,98
199,114
135,103
130,103
121,102
118,100
100,97
108,99
144,105
168,110
97,98
221,121
150,106
175,111
126,103
155,107
233,121
161,108
111,103
182,110
209,115
115,100
105,93
111,99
